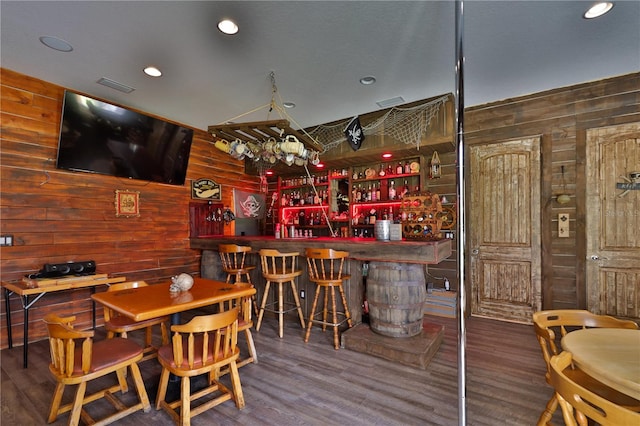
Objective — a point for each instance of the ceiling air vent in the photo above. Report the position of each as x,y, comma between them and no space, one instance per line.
388,103
115,85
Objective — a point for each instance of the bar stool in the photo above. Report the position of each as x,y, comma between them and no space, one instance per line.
325,269
233,259
279,268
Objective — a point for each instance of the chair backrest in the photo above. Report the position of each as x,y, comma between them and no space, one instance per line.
233,256
550,326
62,342
243,305
109,313
206,340
279,265
325,264
577,401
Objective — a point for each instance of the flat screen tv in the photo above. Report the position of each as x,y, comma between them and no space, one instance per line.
98,137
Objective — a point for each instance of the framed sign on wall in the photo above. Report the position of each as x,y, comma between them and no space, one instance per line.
127,203
206,189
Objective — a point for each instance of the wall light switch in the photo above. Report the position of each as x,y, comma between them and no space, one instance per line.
563,225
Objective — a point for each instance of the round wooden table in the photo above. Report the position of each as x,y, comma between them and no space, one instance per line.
611,355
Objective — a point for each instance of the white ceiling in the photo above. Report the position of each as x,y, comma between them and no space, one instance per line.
317,50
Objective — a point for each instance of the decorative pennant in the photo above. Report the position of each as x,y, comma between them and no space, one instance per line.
354,133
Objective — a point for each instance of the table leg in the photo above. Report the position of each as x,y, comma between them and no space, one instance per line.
7,313
93,307
175,319
25,347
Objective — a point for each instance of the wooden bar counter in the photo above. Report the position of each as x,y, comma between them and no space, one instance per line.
360,250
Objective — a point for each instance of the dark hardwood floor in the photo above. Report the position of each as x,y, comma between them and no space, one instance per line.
313,384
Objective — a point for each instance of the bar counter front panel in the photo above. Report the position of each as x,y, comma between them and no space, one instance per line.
360,250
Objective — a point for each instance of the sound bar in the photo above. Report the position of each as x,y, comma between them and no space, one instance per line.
55,270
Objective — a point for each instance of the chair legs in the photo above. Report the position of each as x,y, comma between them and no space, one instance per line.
76,407
334,312
280,304
547,414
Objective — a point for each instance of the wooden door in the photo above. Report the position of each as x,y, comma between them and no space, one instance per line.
613,220
504,229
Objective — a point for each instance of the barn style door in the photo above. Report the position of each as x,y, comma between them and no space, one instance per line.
504,229
613,220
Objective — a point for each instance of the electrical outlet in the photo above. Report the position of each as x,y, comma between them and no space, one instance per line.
6,240
301,294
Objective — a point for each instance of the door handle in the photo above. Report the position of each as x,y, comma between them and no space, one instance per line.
596,257
475,251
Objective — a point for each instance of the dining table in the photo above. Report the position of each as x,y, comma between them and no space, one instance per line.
610,355
156,300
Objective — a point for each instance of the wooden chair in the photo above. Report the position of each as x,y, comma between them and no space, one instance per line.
279,268
76,359
325,267
119,325
550,326
233,259
245,323
579,403
204,345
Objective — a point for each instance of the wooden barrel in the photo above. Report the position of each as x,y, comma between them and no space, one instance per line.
396,293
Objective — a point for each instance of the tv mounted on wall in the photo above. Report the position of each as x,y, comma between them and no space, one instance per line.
98,137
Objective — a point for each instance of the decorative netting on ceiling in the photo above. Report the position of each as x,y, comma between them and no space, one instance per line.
405,124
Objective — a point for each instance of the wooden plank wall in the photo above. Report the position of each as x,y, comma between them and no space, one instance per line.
58,216
561,116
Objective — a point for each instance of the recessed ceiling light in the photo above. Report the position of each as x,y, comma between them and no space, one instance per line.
598,9
152,71
387,155
56,44
367,80
289,105
227,26
320,165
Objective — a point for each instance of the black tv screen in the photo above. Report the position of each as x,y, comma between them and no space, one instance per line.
98,137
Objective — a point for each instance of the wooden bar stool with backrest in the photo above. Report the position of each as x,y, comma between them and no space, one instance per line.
325,267
76,359
234,258
204,345
117,324
279,268
550,326
579,403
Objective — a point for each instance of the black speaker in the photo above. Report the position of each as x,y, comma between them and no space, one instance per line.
53,270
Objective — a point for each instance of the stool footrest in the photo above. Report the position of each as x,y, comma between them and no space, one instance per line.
268,307
332,324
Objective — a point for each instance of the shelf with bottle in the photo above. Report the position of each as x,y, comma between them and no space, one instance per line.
410,167
368,214
392,189
304,215
304,181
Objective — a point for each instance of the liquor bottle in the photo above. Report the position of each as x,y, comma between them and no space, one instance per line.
389,169
382,172
378,195
369,193
359,194
405,189
392,191
399,168
374,193
407,168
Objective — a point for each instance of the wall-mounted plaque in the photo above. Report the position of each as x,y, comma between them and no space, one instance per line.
206,189
127,203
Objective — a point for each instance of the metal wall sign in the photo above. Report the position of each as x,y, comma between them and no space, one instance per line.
206,189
